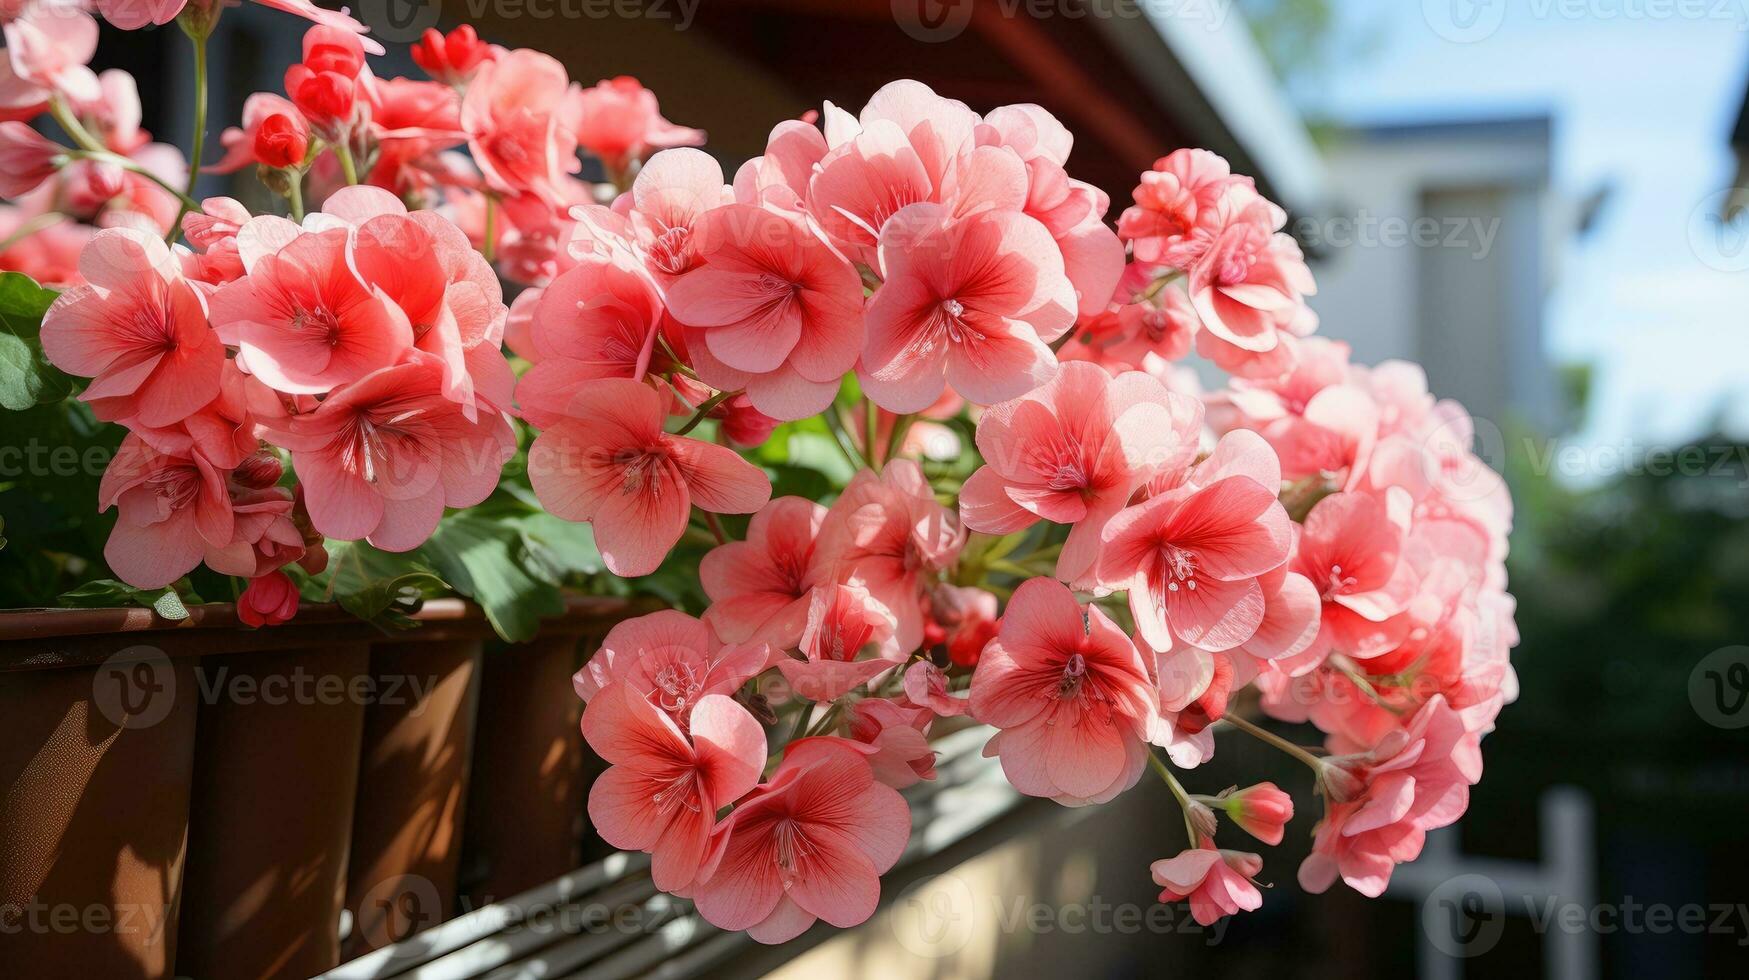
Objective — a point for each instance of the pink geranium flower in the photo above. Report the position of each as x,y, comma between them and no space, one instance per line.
599,319
382,457
611,463
1217,882
132,14
664,785
888,534
926,686
848,641
1136,336
1191,556
302,319
897,738
448,293
512,114
1351,550
619,121
1070,694
48,48
1251,276
811,843
774,310
672,191
672,659
969,303
865,181
759,588
173,511
1383,801
137,329
27,158
1171,222
1074,452
412,121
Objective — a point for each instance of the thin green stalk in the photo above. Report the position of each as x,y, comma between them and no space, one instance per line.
1178,794
704,409
197,144
901,428
842,439
872,425
350,169
1316,764
294,194
63,114
489,248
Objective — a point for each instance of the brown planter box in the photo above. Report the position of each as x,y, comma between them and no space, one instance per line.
204,800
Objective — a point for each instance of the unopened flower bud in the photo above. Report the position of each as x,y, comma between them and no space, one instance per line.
258,471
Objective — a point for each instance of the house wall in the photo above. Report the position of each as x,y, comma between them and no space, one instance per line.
1436,251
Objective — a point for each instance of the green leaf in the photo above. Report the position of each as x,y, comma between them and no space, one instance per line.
108,593
26,377
557,550
381,587
487,560
23,303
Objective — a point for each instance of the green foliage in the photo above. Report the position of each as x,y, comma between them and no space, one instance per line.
1623,589
26,378
507,554
51,464
169,602
381,587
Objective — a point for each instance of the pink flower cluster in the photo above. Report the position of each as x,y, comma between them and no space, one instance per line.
363,342
1124,556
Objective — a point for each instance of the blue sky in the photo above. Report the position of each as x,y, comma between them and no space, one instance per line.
1643,94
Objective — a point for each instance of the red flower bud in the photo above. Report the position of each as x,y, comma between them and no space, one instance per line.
269,600
452,59
258,471
280,142
326,98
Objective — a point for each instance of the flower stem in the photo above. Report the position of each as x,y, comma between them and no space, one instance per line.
1178,794
842,439
1316,764
716,527
489,246
197,143
704,409
872,426
75,129
896,442
294,194
350,169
